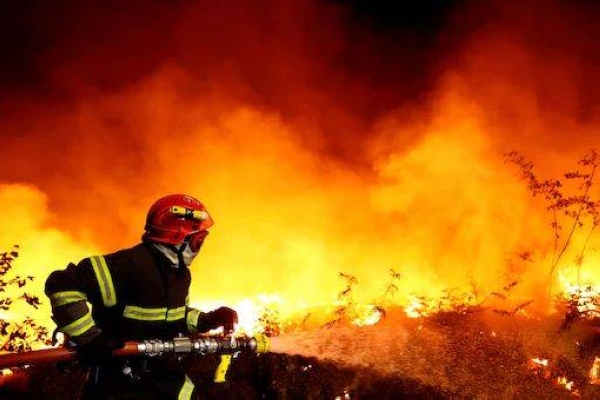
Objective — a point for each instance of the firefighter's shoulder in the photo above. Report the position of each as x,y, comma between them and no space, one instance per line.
118,257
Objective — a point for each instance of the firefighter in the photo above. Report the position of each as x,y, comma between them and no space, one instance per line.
137,293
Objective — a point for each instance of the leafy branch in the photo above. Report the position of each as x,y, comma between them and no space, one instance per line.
17,335
569,212
346,300
392,287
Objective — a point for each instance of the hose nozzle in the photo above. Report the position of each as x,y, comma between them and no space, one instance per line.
262,344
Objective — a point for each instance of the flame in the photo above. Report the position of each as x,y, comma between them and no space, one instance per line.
539,361
420,306
344,396
255,315
573,282
416,308
368,315
271,314
566,383
26,221
581,294
594,373
236,116
543,368
540,367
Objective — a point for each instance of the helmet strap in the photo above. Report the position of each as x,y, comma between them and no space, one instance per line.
179,251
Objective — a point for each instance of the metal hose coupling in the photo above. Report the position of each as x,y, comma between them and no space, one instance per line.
228,345
204,345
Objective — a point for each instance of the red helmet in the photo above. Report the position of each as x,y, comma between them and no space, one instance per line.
173,218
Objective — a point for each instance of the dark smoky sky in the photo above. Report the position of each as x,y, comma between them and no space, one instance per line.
359,58
330,68
55,50
143,30
334,67
338,65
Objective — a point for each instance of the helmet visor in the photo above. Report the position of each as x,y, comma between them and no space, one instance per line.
195,240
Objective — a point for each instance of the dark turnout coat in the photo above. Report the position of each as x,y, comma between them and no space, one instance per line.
135,294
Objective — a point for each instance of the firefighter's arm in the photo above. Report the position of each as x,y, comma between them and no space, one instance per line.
200,322
192,316
71,289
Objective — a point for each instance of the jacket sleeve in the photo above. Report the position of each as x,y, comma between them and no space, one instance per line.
193,319
71,289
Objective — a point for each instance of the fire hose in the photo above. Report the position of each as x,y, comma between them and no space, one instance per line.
177,347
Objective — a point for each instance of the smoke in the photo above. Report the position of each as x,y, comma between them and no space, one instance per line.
27,222
318,143
530,68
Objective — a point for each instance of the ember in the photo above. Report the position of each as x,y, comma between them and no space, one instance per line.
567,384
537,362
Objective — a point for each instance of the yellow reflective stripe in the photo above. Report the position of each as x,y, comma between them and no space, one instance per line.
107,289
186,390
145,314
174,314
222,369
192,320
61,298
79,326
154,314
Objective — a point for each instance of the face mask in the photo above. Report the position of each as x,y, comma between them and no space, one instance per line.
178,256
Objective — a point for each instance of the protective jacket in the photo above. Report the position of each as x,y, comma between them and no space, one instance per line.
135,294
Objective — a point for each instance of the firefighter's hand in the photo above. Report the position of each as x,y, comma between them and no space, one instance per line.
222,316
96,351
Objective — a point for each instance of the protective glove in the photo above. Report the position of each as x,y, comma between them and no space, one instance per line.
97,350
222,316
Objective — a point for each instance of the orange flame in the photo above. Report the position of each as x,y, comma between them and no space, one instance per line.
368,315
539,361
594,373
566,383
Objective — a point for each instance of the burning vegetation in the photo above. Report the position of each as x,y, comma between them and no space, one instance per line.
465,342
